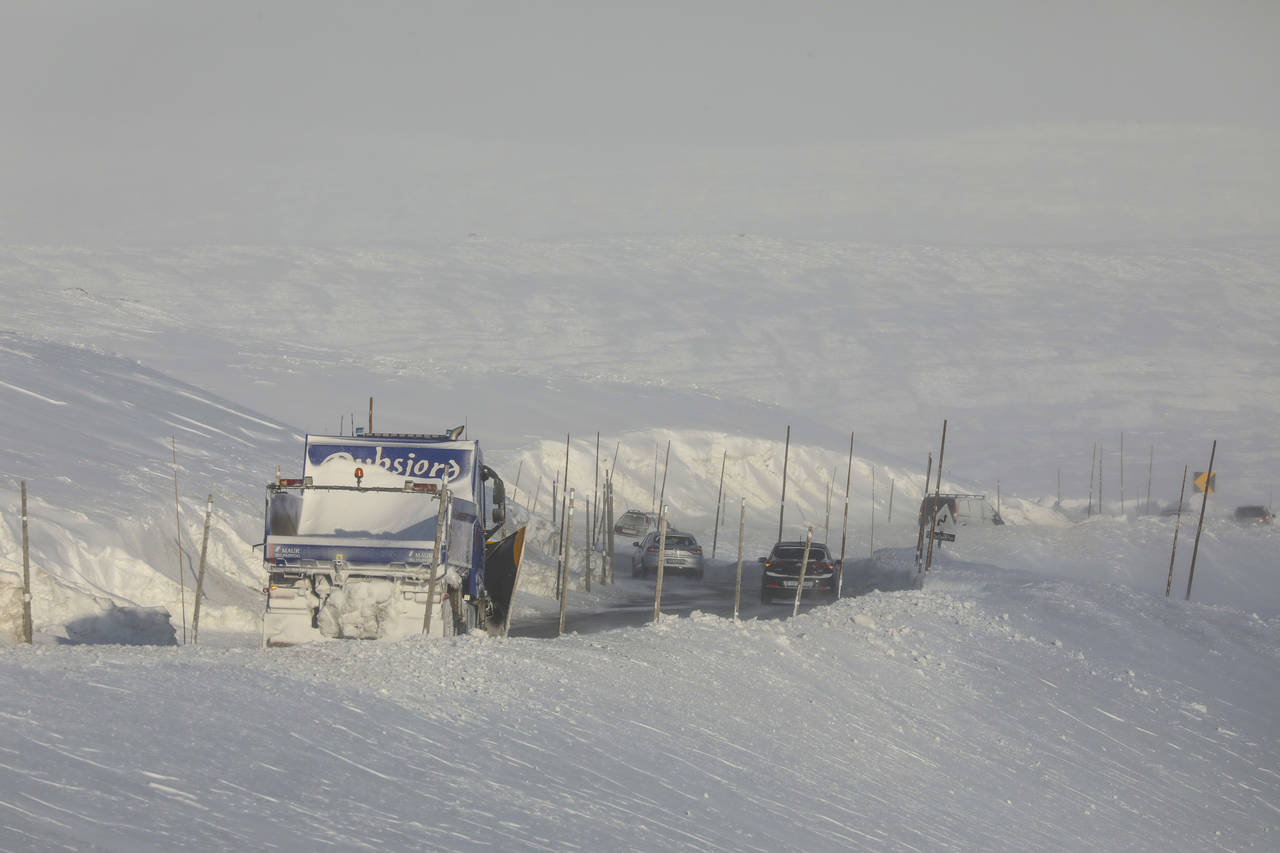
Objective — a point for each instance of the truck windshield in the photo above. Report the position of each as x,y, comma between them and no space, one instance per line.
365,514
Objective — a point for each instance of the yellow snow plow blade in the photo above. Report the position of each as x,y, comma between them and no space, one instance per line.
501,571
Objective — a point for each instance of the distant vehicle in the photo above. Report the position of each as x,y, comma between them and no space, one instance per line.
1253,515
682,555
633,522
781,572
958,510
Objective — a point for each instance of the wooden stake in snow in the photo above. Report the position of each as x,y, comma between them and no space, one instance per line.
177,517
608,535
737,587
586,542
924,496
662,563
204,549
937,493
1177,525
653,495
27,629
564,571
892,484
1093,464
666,462
831,484
1195,549
1101,452
371,416
1151,464
595,500
782,504
844,526
437,558
872,534
715,530
804,565
1122,473
564,484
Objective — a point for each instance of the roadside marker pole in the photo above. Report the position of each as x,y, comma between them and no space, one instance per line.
662,560
737,589
804,564
844,529
27,629
1093,463
892,484
1151,464
595,502
782,504
586,541
872,549
1101,451
1208,487
923,500
1122,474
437,557
937,493
831,484
515,490
715,535
177,518
1168,585
666,463
564,565
204,549
653,495
608,535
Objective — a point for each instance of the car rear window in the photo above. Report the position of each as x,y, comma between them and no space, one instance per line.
681,542
817,553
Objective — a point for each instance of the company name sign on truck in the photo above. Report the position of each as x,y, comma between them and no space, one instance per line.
446,461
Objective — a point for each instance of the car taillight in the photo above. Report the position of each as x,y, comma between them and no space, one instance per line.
697,551
651,549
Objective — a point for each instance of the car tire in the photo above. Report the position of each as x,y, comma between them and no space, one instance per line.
765,598
698,574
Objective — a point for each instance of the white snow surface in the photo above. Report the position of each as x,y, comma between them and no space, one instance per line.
1035,690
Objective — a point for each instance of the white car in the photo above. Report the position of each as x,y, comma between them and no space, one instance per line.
636,523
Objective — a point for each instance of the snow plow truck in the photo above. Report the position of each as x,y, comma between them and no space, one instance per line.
386,536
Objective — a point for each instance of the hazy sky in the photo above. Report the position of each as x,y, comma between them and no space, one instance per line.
320,121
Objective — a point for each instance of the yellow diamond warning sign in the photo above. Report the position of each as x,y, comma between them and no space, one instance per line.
1205,481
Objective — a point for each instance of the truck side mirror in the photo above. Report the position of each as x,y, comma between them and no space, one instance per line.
498,490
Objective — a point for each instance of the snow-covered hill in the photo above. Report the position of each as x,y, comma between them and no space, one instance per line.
1039,690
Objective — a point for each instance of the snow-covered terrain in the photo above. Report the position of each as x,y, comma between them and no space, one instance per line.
1036,690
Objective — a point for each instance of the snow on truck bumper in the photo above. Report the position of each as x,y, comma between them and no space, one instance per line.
363,608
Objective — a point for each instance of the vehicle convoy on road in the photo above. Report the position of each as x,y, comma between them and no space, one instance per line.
384,536
680,555
781,574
